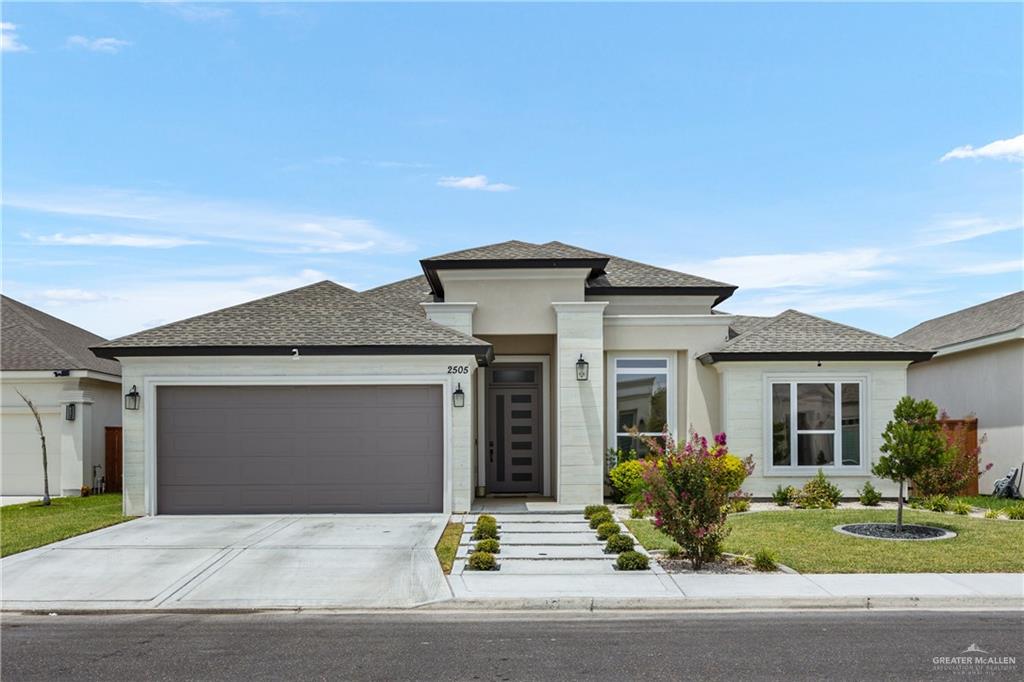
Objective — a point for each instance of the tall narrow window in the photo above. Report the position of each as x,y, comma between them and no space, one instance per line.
640,397
816,424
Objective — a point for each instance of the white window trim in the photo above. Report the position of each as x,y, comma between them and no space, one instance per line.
612,373
795,470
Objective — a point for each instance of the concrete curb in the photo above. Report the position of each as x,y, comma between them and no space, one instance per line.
726,603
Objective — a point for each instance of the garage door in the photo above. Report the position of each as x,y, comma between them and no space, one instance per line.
299,449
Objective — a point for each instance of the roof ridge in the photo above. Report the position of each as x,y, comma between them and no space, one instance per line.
760,325
230,307
852,328
961,311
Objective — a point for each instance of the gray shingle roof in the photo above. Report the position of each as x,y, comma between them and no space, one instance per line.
793,334
986,319
406,294
33,340
744,323
319,318
518,250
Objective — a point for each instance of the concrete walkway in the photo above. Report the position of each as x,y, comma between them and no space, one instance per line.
554,560
235,562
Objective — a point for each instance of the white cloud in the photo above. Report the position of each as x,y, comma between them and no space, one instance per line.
9,41
809,269
821,301
121,307
200,219
131,240
476,182
108,45
194,12
960,229
71,295
992,267
1011,149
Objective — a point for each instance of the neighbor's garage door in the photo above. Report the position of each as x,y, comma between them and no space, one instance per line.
266,449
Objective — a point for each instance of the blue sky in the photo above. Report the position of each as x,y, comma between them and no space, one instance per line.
860,162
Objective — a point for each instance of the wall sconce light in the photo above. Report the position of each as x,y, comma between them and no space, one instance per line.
582,369
69,412
459,397
131,399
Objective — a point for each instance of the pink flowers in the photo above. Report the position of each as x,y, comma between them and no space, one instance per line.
720,438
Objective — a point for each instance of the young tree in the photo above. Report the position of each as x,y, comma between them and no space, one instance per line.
42,441
912,441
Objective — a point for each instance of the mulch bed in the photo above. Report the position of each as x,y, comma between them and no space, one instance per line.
887,531
727,565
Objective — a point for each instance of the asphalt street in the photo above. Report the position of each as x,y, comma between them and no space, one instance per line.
862,645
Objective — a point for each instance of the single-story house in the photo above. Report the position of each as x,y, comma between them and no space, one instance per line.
978,368
507,369
76,394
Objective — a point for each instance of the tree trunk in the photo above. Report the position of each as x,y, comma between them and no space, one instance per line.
42,440
899,510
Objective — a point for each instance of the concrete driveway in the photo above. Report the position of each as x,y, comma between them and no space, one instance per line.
214,562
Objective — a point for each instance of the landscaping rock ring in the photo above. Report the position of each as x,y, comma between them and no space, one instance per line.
887,531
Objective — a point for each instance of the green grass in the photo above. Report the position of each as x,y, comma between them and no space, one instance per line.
988,502
448,545
29,525
804,540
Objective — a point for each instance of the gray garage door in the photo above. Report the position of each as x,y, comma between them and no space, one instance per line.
299,449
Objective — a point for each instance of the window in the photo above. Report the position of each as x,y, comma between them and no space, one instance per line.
816,424
639,398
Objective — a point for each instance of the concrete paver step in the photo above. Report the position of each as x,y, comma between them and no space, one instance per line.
539,527
540,539
557,567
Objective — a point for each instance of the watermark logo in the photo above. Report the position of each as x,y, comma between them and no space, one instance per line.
975,661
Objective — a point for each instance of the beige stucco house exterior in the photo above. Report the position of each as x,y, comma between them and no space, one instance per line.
978,368
509,369
76,394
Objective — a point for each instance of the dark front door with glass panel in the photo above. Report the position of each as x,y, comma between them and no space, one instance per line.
514,429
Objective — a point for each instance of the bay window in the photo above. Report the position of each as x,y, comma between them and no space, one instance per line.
816,423
641,397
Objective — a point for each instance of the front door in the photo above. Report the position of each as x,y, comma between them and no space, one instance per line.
514,444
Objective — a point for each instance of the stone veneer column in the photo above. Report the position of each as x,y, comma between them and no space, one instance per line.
580,404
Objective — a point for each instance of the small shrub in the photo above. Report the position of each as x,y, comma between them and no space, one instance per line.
937,503
957,467
818,493
961,507
674,552
784,495
1015,511
627,479
916,503
869,497
992,514
636,512
764,560
482,561
599,518
486,528
592,509
607,529
739,504
490,545
618,543
85,491
632,561
741,560
732,470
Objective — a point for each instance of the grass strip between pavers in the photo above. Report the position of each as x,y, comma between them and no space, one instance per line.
29,525
448,545
804,540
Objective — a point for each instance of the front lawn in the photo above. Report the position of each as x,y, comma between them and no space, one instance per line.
988,502
804,540
24,526
448,545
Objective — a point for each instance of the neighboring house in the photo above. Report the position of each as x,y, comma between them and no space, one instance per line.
978,368
504,369
76,393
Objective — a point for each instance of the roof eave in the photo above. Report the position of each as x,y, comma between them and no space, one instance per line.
431,266
909,355
719,292
484,353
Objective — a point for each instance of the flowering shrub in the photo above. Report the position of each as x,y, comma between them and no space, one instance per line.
957,466
687,490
